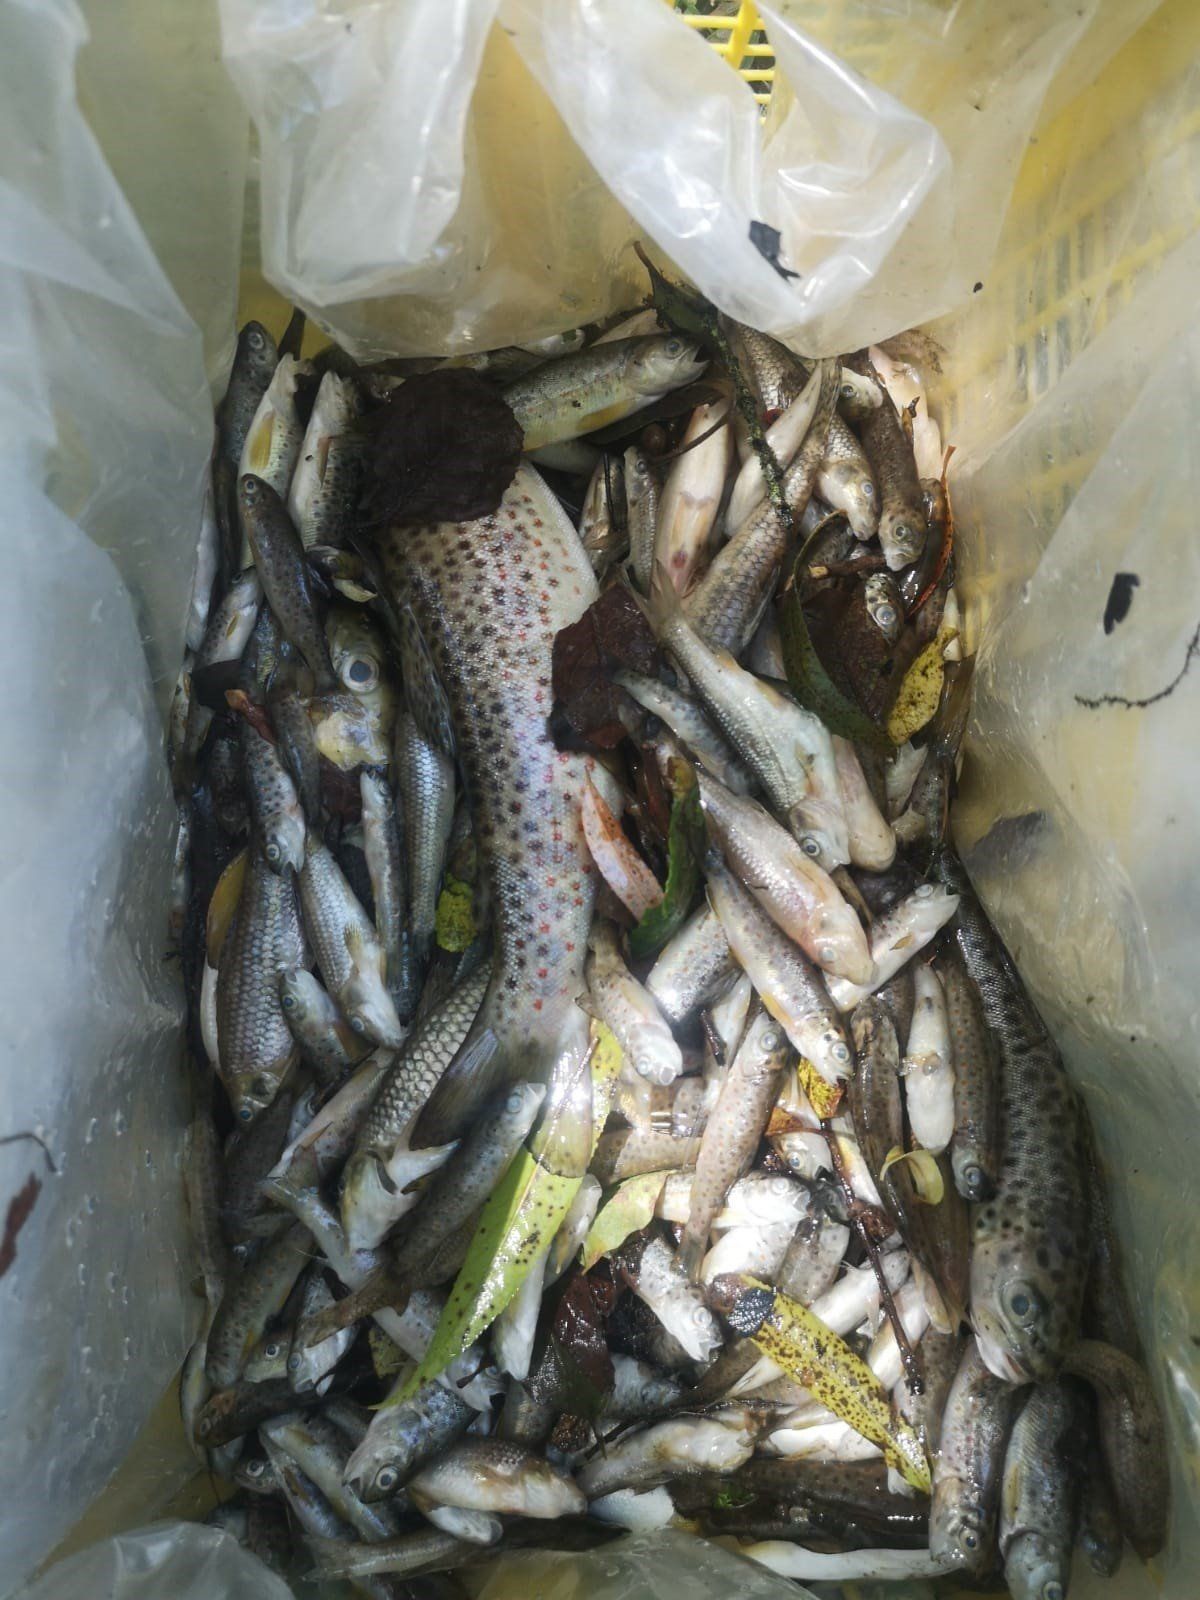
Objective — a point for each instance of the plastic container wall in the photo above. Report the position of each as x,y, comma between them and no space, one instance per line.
105,429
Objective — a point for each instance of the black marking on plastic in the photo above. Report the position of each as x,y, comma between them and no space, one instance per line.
1120,598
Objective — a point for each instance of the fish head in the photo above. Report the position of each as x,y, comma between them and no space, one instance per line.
369,1206
283,841
830,1053
370,1010
357,649
296,995
1036,1568
251,1093
959,1526
257,347
971,1174
852,491
665,361
840,944
902,536
819,828
657,1057
884,606
639,474
375,1469
1014,1321
254,495
858,396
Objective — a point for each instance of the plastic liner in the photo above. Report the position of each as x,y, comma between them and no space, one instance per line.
894,162
181,1559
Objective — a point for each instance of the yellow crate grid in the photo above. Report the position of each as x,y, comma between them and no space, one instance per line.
736,33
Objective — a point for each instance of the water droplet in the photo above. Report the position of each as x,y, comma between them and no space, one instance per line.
110,1283
120,1123
126,1348
93,1128
90,1204
125,1295
70,1233
81,1272
149,1160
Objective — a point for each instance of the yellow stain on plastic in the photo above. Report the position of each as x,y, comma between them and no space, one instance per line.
921,691
454,919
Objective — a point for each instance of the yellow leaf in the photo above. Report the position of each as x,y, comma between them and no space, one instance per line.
825,1097
921,691
222,906
925,1172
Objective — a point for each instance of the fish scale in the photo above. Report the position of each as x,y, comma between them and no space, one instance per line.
489,597
1030,1241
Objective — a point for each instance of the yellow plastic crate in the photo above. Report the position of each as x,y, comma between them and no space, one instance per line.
739,38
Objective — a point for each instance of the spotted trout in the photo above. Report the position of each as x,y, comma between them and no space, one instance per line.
488,597
1030,1246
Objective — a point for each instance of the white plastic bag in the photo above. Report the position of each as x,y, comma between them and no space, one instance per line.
105,427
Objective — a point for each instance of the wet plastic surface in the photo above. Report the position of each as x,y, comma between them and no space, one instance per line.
1071,386
182,1560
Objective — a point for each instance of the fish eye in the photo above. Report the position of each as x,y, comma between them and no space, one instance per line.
810,846
840,1051
973,1178
827,954
772,1039
885,616
903,533
868,489
272,851
923,891
1052,1590
673,346
273,1349
357,1023
1022,1302
847,391
256,339
288,1002
970,1539
361,671
254,1469
513,1103
245,1114
386,1477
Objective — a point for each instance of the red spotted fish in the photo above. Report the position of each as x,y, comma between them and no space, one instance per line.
488,597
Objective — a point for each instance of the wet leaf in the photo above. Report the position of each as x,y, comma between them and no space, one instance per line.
454,919
612,632
810,682
222,907
824,1097
921,691
442,448
579,1342
241,704
628,1209
685,857
15,1218
520,1217
923,1169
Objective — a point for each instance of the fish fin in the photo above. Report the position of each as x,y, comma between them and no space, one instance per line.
477,1071
691,1253
360,952
664,604
950,720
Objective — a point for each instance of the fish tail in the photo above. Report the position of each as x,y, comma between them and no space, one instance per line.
664,604
691,1252
480,1068
950,721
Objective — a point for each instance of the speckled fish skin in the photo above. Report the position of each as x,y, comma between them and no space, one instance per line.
401,1439
735,1126
252,1297
256,1047
254,363
902,524
286,578
968,1464
327,1042
974,1149
489,597
274,803
896,937
642,491
323,488
231,621
603,531
692,492
656,1277
790,986
681,1447
423,692
497,1475
320,1451
1133,1440
693,968
347,947
274,437
726,604
1039,1492
1107,1312
1030,1244
298,747
799,895
623,1005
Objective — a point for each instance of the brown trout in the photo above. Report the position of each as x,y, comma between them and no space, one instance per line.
1030,1241
488,597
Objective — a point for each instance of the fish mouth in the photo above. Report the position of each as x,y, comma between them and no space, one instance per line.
999,1359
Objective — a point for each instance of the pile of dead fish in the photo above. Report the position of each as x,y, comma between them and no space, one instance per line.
613,1108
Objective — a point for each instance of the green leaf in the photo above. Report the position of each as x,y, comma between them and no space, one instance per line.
518,1221
628,1209
685,857
809,681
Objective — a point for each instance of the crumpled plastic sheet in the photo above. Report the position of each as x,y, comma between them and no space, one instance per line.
428,185
182,1560
105,427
